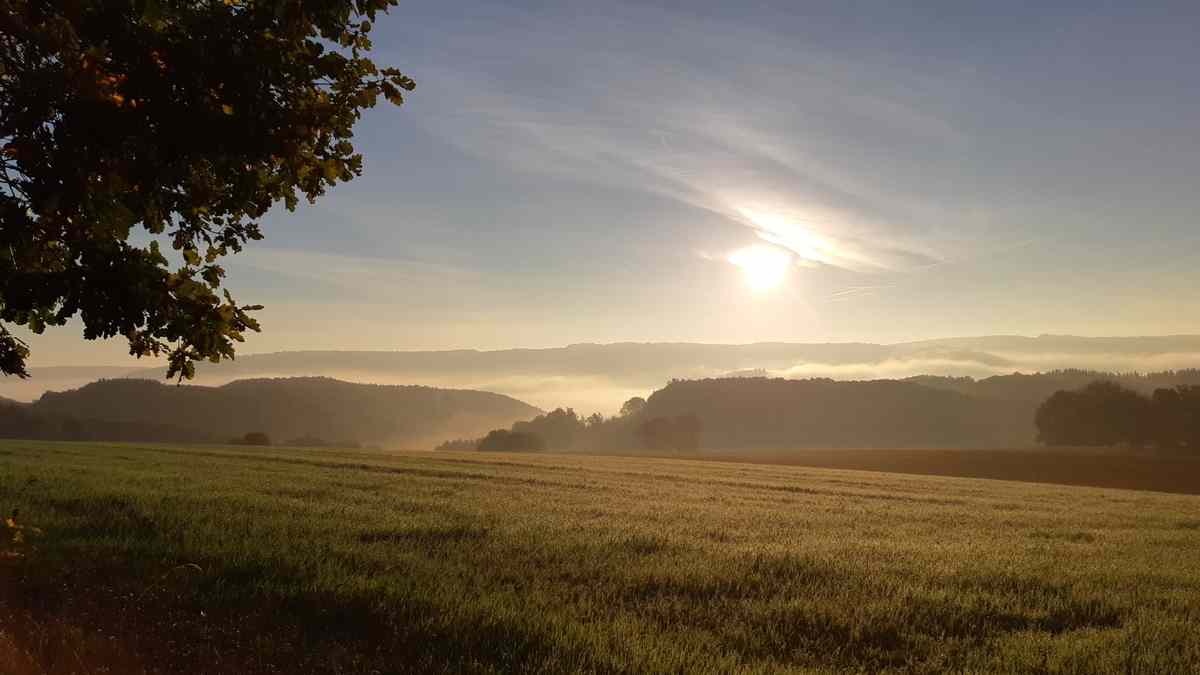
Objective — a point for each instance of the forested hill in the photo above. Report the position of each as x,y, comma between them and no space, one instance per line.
284,408
597,377
1037,387
778,413
927,411
753,412
732,412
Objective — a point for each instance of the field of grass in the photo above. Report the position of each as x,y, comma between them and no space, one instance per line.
222,559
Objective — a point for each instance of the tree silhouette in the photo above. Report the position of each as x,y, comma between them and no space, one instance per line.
1105,413
1169,415
558,428
687,433
1187,418
680,433
185,120
503,440
633,406
1062,420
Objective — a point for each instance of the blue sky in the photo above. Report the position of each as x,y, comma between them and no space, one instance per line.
581,172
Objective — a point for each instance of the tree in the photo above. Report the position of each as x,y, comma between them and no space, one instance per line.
127,125
687,433
558,428
681,433
503,440
633,406
1062,420
1169,415
1187,415
654,433
1102,413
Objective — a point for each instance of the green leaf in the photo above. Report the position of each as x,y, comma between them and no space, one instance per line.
202,170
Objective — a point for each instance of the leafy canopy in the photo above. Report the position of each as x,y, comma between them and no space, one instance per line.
127,126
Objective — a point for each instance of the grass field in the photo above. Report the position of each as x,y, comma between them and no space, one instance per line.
221,559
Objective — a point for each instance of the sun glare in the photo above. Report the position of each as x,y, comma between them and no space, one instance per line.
764,267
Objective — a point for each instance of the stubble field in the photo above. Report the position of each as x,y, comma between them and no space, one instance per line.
231,559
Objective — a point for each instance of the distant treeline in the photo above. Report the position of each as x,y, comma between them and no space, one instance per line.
1036,387
757,412
563,430
721,414
732,413
27,421
1105,413
305,410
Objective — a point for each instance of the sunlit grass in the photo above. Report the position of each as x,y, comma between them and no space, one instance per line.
348,561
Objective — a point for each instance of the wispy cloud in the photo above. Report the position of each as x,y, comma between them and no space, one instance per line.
794,145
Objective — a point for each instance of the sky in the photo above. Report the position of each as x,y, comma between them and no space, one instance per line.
702,171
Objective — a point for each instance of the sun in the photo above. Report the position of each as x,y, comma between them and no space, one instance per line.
764,267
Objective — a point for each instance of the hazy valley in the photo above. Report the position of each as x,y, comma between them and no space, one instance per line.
595,377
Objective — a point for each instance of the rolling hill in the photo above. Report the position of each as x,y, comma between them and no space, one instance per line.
778,413
600,376
396,416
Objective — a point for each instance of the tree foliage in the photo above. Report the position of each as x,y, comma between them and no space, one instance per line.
558,428
1102,413
633,407
503,440
284,408
142,140
1105,414
754,412
680,433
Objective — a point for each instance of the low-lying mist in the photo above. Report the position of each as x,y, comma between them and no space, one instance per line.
598,378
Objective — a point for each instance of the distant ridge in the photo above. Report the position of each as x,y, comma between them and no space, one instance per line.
600,376
284,408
